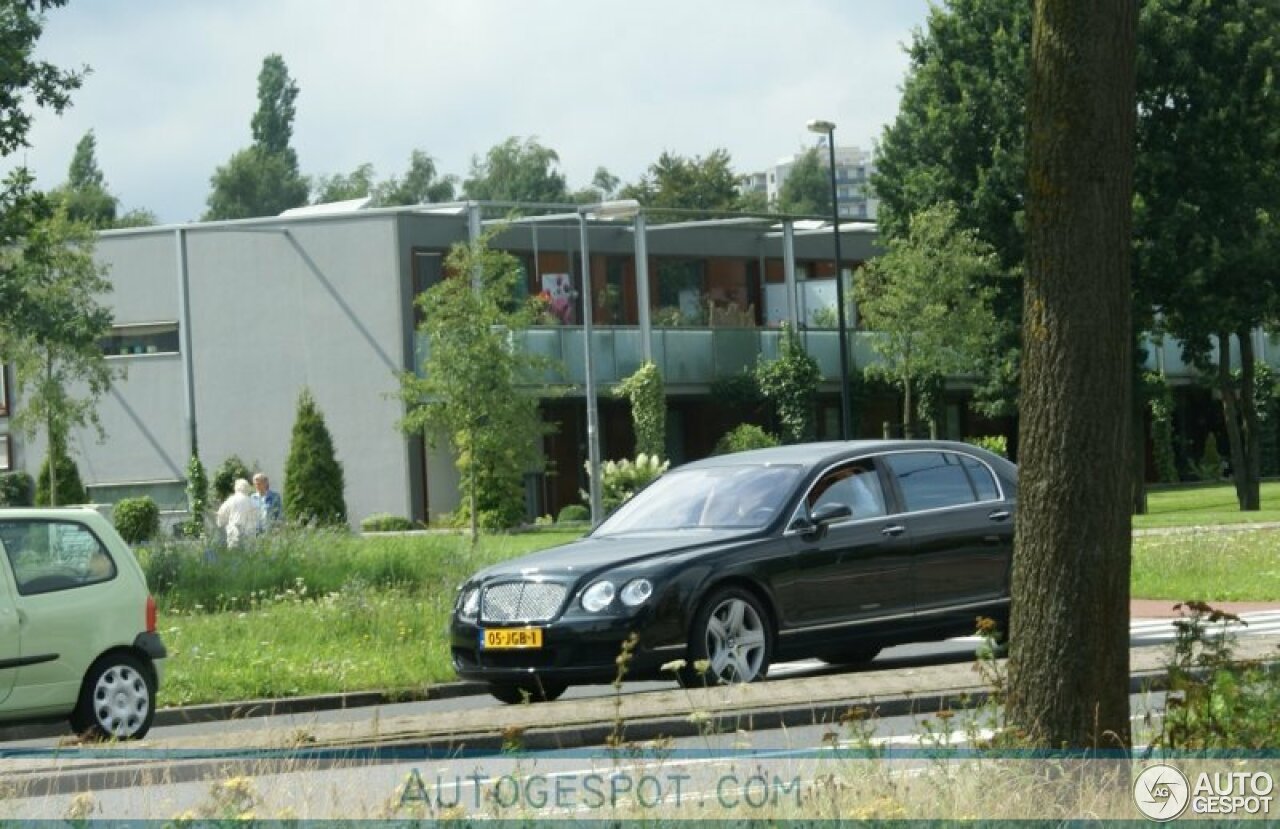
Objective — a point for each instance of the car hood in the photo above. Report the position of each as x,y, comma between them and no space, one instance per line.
594,554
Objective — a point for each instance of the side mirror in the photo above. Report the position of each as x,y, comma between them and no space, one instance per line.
815,526
830,513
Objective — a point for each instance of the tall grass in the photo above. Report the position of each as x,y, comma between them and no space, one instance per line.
191,575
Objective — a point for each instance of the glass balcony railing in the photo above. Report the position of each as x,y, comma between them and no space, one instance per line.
700,356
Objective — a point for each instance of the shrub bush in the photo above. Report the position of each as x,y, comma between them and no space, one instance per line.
136,519
70,490
1210,467
16,490
995,444
619,480
224,479
313,481
385,522
645,391
573,512
790,384
744,437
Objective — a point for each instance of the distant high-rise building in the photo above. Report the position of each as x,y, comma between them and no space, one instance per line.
854,167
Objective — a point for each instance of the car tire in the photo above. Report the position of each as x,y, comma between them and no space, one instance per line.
514,693
732,633
859,655
117,699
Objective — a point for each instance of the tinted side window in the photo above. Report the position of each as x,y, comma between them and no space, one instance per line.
855,485
983,482
931,480
54,555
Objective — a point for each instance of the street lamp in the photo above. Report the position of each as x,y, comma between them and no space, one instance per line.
846,418
621,209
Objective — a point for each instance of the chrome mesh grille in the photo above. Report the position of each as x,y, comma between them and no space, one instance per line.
521,601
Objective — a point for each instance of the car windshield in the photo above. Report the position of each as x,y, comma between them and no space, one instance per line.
714,497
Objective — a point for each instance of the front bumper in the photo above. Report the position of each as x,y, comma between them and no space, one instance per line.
579,651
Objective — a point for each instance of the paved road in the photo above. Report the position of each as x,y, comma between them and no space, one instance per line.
958,651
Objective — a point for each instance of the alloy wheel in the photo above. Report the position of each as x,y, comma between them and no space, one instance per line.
736,642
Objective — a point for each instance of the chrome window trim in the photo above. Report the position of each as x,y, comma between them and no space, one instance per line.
1000,499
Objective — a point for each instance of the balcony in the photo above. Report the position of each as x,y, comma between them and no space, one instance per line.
700,356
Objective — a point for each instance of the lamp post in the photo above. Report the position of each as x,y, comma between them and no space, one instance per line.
846,417
623,208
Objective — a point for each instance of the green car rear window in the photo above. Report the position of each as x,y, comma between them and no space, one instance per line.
47,556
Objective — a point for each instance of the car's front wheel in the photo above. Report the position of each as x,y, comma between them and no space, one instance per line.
731,635
514,693
117,699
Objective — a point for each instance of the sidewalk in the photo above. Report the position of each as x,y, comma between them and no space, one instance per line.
1163,608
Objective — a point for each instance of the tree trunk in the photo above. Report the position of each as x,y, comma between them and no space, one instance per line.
55,448
1233,401
1069,660
1248,475
907,431
475,506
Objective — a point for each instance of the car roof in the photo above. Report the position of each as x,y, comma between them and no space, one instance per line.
816,454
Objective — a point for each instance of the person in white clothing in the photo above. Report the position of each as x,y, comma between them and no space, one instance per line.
239,515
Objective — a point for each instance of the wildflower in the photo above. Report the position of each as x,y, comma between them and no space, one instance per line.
674,665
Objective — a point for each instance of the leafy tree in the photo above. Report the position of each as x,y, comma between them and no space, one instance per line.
688,183
314,486
59,369
469,392
25,84
790,383
24,81
807,187
1207,215
58,484
1068,669
137,217
84,196
358,184
928,297
645,391
263,179
517,171
960,137
421,184
224,479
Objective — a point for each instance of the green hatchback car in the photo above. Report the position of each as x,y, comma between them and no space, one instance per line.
77,625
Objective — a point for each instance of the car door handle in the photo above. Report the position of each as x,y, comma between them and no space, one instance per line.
893,530
999,515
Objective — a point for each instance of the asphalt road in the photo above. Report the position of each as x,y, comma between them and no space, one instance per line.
958,652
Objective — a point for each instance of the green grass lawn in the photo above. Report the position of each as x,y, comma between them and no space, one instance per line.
364,635
1205,505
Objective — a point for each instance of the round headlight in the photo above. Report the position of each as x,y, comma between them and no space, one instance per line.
598,596
636,592
470,604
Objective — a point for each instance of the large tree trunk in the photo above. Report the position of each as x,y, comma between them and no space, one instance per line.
1069,661
1241,416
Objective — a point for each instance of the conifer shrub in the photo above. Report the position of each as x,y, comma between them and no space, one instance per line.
70,489
314,485
197,498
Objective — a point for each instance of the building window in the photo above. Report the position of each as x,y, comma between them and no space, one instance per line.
6,453
4,390
145,338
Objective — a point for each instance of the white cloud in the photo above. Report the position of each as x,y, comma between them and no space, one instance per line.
174,84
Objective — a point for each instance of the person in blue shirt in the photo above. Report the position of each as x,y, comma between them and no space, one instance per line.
267,500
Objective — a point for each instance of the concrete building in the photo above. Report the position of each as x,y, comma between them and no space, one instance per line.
854,168
220,325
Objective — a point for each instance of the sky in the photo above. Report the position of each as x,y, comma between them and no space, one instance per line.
174,84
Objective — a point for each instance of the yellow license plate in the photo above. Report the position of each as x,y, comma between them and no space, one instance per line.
510,638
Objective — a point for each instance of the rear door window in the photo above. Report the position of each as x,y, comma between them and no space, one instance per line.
984,483
931,480
46,556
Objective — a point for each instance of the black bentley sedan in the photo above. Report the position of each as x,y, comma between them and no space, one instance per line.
722,566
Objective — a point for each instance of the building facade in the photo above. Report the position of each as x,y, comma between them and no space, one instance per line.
854,168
